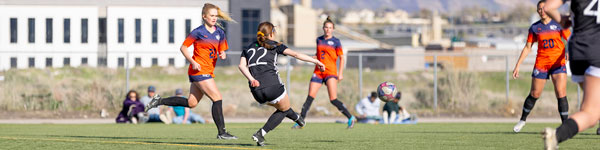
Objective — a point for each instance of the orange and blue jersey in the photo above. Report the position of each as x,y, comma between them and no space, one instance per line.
551,49
328,51
207,47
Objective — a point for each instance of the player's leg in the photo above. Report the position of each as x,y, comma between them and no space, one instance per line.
385,116
537,85
282,104
313,87
332,90
194,97
209,88
580,121
560,89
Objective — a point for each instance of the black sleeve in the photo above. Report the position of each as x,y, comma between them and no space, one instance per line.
243,53
279,49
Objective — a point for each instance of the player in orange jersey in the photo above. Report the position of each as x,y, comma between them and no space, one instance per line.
550,61
329,49
209,43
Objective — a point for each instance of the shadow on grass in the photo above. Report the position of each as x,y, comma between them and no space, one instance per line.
149,138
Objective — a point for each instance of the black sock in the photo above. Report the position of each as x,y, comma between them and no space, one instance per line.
563,108
291,114
340,106
566,130
174,101
273,122
306,106
217,114
528,106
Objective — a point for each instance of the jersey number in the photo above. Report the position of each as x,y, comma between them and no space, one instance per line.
548,43
213,53
322,55
257,62
589,12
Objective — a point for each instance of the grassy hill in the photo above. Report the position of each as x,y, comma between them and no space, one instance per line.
84,91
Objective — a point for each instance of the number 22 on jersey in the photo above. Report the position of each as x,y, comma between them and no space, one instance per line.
257,61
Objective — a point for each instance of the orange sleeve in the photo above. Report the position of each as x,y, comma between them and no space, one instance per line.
531,38
566,33
223,44
189,40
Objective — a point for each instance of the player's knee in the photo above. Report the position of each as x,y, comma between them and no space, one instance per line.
536,94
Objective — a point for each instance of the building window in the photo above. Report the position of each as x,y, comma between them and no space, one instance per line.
48,30
138,61
120,62
102,61
48,62
13,62
171,31
154,30
154,61
171,61
66,62
101,31
31,23
250,21
67,30
31,62
121,35
84,61
188,27
13,30
138,30
84,30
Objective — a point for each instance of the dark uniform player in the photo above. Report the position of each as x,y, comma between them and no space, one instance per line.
258,63
584,51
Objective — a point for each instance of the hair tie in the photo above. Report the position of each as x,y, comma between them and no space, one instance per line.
260,33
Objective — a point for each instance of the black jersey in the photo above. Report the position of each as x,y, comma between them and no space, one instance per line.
584,43
262,63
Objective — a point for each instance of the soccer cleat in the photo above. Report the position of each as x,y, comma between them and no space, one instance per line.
227,136
153,103
351,122
259,139
550,141
519,126
297,126
300,122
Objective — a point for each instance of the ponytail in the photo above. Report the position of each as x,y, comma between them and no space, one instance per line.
265,29
220,13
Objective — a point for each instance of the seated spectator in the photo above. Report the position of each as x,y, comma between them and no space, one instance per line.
133,110
393,113
183,115
368,109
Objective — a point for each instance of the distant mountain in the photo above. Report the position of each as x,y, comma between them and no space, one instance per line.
416,5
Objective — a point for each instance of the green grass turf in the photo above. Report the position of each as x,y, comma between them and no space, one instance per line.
313,136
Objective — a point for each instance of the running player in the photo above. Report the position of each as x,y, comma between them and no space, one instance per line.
329,49
584,52
258,63
550,61
209,42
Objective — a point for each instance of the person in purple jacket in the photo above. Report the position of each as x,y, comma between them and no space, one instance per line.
133,109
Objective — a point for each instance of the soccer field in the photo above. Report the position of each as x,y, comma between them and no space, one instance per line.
313,136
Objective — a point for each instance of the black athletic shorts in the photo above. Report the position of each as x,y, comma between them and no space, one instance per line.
584,55
271,94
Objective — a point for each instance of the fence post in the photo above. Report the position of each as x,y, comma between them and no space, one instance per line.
127,71
360,75
288,68
507,79
435,82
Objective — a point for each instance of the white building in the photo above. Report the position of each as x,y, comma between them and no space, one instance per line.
97,32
